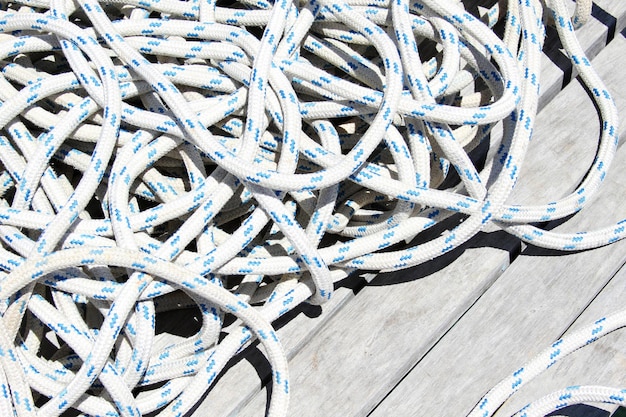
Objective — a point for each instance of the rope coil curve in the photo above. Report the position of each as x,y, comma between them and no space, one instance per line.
241,157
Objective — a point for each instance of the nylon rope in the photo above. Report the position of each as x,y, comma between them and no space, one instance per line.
241,158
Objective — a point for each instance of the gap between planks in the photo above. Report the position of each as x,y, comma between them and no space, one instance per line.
532,303
244,377
325,383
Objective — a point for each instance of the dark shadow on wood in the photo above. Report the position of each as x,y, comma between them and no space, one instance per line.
532,250
498,239
553,49
537,251
184,322
255,357
354,282
259,362
606,19
580,410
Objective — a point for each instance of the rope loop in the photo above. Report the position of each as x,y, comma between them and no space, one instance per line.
240,158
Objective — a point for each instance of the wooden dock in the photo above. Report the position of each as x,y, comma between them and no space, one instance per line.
432,340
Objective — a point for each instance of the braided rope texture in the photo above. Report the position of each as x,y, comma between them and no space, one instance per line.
240,157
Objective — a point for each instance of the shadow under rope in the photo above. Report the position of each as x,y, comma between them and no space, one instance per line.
253,355
554,50
497,239
583,410
356,282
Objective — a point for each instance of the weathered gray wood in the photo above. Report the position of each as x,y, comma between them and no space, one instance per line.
245,377
567,152
601,363
535,300
609,19
374,340
249,370
562,150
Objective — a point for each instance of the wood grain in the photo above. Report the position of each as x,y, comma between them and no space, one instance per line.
535,301
365,345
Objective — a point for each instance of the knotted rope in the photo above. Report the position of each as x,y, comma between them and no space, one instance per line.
241,157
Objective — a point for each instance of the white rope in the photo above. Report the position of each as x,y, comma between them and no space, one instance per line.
242,159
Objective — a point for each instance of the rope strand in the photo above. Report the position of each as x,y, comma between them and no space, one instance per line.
241,159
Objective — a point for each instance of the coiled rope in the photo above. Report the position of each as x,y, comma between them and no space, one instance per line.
241,157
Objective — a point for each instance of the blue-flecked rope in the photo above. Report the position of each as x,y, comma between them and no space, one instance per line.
287,159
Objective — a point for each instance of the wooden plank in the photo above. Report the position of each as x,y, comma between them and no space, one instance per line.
601,363
608,20
566,152
536,299
249,370
563,153
371,343
246,374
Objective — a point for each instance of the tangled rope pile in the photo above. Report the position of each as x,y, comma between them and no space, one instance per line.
242,157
